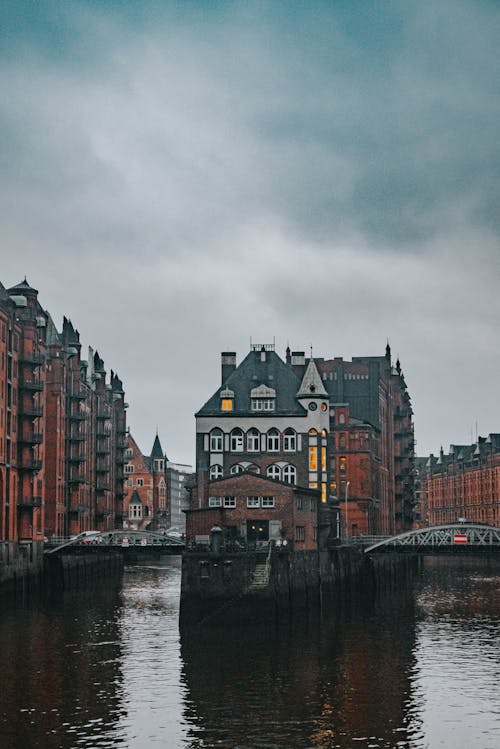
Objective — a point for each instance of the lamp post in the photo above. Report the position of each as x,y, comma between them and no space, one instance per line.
346,510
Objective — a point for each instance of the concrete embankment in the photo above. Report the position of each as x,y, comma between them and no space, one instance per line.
223,588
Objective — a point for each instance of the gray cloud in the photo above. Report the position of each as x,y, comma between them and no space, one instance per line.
178,179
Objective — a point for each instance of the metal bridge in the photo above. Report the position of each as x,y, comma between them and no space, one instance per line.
118,540
458,538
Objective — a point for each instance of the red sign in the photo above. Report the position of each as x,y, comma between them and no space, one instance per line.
460,538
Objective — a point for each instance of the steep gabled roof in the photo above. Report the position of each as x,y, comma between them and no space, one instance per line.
157,451
252,373
312,384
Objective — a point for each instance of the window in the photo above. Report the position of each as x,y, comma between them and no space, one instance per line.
267,501
341,418
216,441
313,458
300,533
273,440
140,482
262,404
128,482
229,501
129,468
215,501
323,459
237,468
216,471
273,472
253,441
289,441
159,465
299,503
290,474
236,441
253,501
129,453
343,466
226,404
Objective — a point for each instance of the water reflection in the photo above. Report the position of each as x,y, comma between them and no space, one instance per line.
415,669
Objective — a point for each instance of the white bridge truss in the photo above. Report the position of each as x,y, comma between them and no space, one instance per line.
442,538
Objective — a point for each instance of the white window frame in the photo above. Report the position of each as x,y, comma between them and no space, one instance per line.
230,502
273,472
236,441
253,441
263,404
216,441
268,502
215,501
289,474
216,471
140,482
290,441
253,502
129,468
237,468
273,438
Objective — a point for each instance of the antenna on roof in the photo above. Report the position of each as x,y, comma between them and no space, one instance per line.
310,346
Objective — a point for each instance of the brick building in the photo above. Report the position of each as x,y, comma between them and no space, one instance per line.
62,427
465,483
341,428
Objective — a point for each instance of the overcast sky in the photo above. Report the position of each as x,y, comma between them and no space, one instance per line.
180,177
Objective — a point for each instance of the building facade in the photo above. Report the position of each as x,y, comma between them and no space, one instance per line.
463,484
342,429
62,427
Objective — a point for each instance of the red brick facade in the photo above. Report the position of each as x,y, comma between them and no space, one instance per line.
62,427
253,508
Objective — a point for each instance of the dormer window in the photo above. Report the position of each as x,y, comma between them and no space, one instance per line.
263,398
226,399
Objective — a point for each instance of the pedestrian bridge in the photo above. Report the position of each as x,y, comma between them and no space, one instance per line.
118,540
458,538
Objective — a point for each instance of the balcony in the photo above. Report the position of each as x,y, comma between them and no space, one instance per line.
30,357
76,458
78,395
102,486
77,416
102,468
102,415
32,411
102,450
78,508
30,465
76,438
28,503
34,385
31,438
102,433
76,479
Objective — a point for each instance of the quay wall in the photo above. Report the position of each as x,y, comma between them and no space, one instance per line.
25,569
218,587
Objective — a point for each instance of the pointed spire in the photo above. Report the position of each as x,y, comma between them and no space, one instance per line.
312,384
388,351
157,451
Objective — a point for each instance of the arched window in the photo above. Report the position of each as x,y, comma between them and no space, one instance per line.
253,441
216,471
216,441
273,441
290,474
341,418
253,468
236,441
289,441
236,468
273,472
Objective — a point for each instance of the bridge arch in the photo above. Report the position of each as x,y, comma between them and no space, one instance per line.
441,537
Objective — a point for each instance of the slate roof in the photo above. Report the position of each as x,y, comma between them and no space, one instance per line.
23,286
157,451
311,384
252,372
135,498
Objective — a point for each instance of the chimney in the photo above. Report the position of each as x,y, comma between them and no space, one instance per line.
299,363
228,364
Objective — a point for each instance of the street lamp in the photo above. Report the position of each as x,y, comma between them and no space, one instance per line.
346,510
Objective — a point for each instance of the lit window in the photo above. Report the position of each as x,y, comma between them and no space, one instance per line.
229,501
343,465
313,458
289,441
323,458
226,404
273,472
268,502
323,492
253,441
273,440
216,441
290,474
253,501
215,501
236,441
216,471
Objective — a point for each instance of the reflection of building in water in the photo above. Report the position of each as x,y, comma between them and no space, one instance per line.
61,672
307,684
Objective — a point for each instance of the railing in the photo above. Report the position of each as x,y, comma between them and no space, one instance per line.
30,465
32,438
33,384
30,502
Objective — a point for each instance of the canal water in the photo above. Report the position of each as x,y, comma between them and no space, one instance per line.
419,669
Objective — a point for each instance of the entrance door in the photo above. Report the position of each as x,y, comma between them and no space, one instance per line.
257,530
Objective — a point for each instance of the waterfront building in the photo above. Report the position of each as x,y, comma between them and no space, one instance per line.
462,484
62,427
342,429
179,479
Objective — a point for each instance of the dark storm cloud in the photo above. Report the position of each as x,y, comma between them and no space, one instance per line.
187,175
